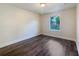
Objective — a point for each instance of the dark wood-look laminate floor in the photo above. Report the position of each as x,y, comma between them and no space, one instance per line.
41,46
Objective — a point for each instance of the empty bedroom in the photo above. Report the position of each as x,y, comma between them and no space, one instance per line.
39,29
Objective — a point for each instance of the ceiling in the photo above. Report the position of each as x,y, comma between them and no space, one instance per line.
50,7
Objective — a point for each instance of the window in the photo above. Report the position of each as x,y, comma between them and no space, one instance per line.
55,23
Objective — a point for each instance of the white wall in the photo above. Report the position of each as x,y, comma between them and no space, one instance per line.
67,24
17,24
77,12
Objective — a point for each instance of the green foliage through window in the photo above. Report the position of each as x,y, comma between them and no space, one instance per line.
55,23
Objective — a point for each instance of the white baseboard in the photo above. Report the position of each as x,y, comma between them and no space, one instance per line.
15,41
72,39
12,42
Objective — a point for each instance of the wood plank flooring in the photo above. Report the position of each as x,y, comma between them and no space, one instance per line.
41,45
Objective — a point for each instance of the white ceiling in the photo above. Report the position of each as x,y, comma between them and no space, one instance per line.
50,7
